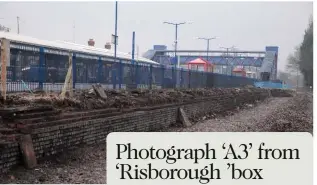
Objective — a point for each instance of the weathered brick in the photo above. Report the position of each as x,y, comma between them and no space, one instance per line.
54,139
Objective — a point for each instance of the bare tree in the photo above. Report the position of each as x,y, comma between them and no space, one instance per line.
301,62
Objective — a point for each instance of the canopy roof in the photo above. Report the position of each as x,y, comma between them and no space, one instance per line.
68,46
199,61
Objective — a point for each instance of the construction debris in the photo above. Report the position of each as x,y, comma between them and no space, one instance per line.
99,98
295,116
100,91
282,92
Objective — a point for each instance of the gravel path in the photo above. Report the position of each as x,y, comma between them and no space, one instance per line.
88,164
244,121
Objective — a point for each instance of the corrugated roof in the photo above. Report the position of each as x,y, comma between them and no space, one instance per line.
68,46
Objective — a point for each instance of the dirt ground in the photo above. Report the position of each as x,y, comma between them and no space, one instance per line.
273,115
89,99
244,120
88,164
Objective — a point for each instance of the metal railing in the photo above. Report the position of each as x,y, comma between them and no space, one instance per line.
33,70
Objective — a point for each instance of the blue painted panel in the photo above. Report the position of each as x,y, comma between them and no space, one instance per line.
271,85
271,48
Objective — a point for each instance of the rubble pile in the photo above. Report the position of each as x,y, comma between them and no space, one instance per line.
89,99
282,92
295,116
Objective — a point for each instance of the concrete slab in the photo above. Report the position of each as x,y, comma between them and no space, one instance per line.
99,91
183,118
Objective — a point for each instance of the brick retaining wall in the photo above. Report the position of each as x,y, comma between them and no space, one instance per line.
54,139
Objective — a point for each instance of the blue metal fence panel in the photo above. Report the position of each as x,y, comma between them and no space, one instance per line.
47,70
271,85
157,74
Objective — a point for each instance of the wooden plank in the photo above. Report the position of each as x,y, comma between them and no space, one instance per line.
5,59
68,80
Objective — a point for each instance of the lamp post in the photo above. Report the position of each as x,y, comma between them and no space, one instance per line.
228,48
115,32
176,31
207,39
18,24
232,47
133,46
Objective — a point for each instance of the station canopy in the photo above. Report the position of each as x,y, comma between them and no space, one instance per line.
200,61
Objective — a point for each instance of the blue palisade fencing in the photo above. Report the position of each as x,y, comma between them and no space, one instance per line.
45,70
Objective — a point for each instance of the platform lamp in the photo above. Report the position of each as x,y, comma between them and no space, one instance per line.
115,31
176,32
207,39
227,49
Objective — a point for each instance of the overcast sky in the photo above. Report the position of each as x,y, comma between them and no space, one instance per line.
247,25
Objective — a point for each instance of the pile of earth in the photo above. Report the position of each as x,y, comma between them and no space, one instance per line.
295,116
88,99
282,92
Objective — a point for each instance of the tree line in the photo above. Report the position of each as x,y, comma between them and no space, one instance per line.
301,61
